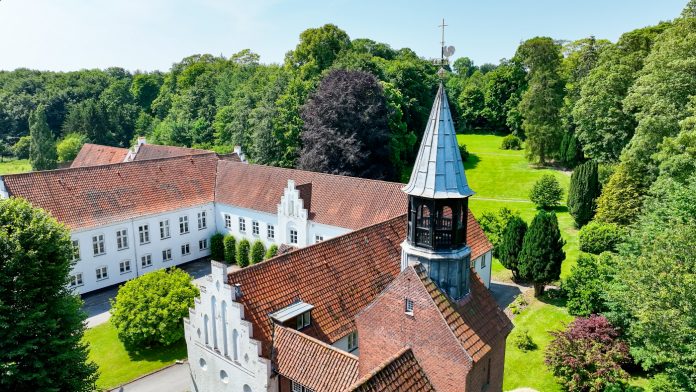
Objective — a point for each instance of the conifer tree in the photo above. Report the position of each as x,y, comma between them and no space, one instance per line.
242,255
511,245
583,192
257,252
42,152
542,252
230,248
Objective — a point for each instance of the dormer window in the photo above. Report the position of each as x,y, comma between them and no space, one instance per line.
304,320
297,315
408,306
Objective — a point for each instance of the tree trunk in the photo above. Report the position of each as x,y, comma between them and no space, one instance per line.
539,289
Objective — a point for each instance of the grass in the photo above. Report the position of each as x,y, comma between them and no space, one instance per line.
117,365
14,166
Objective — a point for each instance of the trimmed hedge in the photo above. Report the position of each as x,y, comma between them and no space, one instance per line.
243,253
217,247
272,251
258,251
230,248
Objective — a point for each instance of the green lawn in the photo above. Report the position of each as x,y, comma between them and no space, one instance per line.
116,365
14,166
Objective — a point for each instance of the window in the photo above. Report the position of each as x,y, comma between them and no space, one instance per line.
185,249
409,306
293,236
483,261
242,225
164,229
228,221
122,239
102,273
183,225
75,250
254,227
303,320
124,267
98,244
318,238
297,387
203,244
271,232
146,261
144,234
202,222
352,341
76,280
167,255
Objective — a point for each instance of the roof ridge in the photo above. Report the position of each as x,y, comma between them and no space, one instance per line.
318,342
383,365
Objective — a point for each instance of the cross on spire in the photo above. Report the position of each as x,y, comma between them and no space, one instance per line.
445,52
442,42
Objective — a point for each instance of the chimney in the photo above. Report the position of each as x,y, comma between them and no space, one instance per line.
240,154
141,140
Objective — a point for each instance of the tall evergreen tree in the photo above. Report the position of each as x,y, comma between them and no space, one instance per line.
583,192
43,147
41,324
542,252
510,245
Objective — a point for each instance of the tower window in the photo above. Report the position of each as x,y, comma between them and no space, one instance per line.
408,306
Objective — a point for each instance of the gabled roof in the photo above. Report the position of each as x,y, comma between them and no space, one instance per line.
400,373
92,196
95,154
313,363
155,151
438,172
348,202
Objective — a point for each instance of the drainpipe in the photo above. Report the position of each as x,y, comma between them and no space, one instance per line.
135,248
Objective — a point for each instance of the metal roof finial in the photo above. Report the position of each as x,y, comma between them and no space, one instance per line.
445,52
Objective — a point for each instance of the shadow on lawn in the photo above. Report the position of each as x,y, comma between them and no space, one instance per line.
158,353
553,296
472,161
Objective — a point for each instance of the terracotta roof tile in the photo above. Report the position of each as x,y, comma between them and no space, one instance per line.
476,238
95,154
313,363
156,151
400,373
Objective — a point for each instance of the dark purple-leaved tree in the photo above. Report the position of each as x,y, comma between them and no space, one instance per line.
345,127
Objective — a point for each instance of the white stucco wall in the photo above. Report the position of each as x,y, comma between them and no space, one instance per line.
218,339
482,265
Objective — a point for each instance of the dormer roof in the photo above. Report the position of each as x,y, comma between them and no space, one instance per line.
439,172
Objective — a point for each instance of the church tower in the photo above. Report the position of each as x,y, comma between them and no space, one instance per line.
438,205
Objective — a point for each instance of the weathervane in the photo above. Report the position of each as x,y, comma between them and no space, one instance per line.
445,52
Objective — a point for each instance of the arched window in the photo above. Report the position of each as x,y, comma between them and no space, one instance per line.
246,388
205,328
212,313
235,345
223,309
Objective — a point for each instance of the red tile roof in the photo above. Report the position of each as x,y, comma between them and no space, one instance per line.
400,373
95,154
155,151
98,195
312,363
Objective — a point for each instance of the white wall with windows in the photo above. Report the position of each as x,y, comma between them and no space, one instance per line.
482,265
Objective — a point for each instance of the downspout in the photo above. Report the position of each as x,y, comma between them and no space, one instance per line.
135,248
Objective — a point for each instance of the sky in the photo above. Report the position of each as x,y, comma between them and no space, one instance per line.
66,35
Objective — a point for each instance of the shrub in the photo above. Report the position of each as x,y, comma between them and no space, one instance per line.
493,224
243,253
597,237
149,310
588,355
217,247
542,252
230,248
511,142
546,192
511,244
70,146
272,251
463,152
583,192
257,252
21,149
585,286
518,304
523,341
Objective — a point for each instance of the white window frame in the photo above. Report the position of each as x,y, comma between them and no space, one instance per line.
98,245
144,234
293,236
228,221
183,224
408,306
102,273
203,244
255,228
146,260
185,249
270,231
167,255
318,238
297,387
352,341
202,220
242,225
75,250
164,229
76,280
483,261
124,267
122,239
303,320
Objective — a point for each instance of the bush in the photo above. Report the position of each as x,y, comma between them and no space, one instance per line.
217,247
493,224
272,251
597,237
149,310
230,248
21,149
257,252
70,146
546,192
511,244
463,152
523,341
511,142
518,304
588,355
585,286
243,253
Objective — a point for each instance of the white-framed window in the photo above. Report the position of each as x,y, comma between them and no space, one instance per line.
483,261
408,306
124,266
318,238
75,250
254,227
185,249
76,280
297,387
98,244
228,221
164,229
167,255
203,244
146,260
271,232
242,225
304,320
122,239
293,236
202,221
183,225
352,340
144,234
102,273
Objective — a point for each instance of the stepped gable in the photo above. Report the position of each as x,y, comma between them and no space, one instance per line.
156,151
328,370
95,154
92,196
348,202
400,373
339,277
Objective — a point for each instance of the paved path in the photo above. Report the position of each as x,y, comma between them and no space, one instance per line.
175,378
506,292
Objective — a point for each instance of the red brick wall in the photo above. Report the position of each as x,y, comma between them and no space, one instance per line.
384,328
478,379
